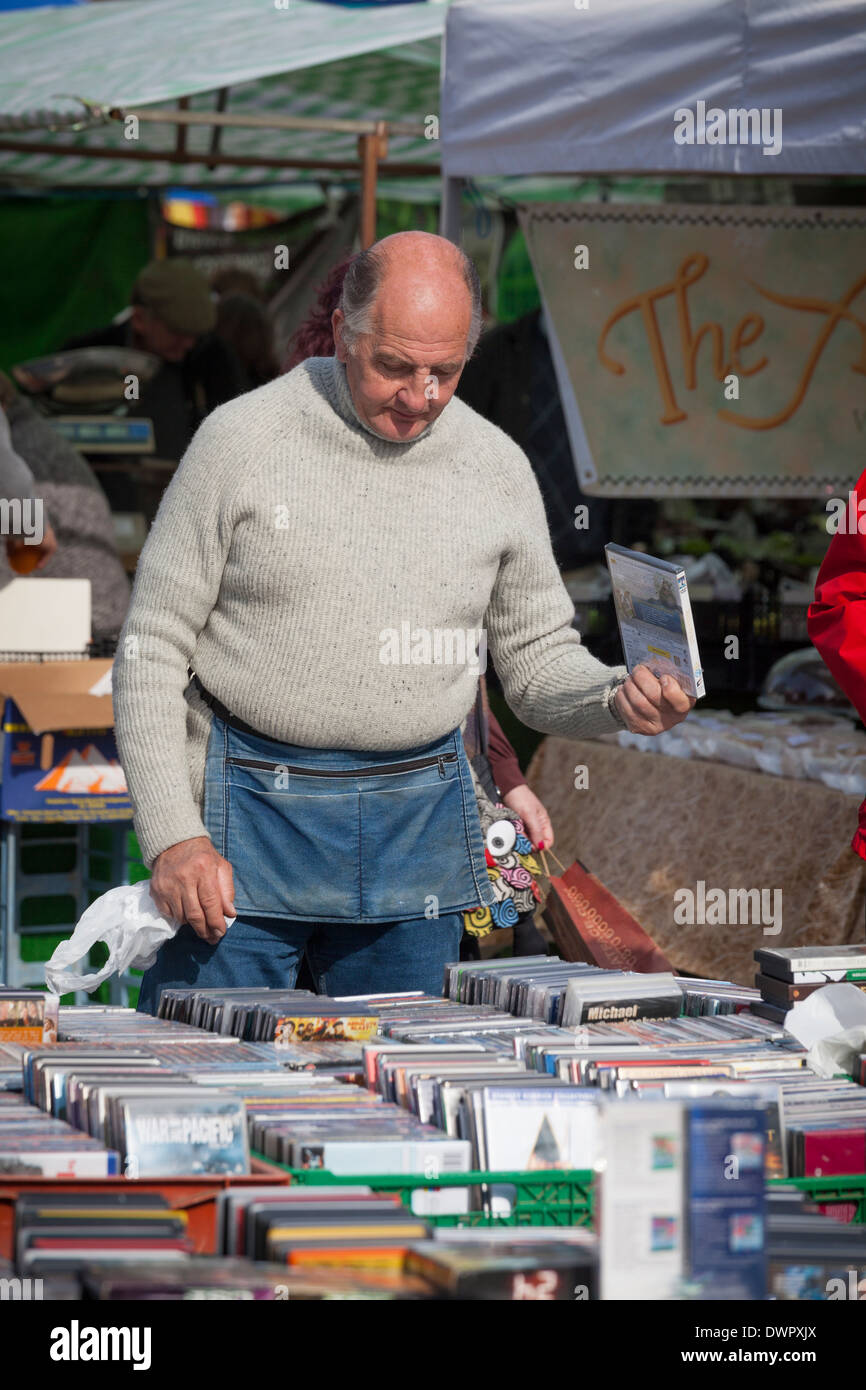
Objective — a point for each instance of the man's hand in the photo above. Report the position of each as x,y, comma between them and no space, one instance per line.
193,883
649,705
533,813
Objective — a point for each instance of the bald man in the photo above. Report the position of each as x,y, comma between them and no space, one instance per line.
328,568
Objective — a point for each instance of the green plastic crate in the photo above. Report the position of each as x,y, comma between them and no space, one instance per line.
851,1188
549,1199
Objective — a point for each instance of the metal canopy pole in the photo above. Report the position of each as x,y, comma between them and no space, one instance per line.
450,224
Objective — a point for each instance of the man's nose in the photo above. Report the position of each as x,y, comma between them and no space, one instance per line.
412,395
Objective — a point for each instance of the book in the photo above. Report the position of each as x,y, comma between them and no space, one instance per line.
619,998
344,1027
539,1129
654,614
725,1217
827,1152
642,1200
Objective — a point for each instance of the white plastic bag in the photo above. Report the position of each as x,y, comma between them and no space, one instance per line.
831,1023
128,921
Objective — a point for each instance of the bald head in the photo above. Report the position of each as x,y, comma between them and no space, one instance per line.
418,271
409,316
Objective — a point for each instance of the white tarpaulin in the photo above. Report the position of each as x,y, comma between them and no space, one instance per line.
543,86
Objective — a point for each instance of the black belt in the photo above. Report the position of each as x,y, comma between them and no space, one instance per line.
224,714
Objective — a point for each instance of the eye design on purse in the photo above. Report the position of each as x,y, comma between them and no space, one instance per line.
501,837
512,868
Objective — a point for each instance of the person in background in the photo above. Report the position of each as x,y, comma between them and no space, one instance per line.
315,336
487,747
837,621
173,316
244,325
233,279
24,552
85,546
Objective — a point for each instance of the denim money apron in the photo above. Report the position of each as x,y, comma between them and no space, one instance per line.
329,835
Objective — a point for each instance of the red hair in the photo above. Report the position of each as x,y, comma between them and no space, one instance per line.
315,337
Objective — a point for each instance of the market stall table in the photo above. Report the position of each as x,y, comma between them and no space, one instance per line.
648,826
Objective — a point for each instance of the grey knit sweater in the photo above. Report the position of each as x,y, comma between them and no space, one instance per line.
289,542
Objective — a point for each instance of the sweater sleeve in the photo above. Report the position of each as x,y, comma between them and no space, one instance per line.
549,679
190,537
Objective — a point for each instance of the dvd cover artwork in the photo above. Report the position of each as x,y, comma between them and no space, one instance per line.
204,1136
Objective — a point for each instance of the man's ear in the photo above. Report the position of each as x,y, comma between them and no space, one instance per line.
338,318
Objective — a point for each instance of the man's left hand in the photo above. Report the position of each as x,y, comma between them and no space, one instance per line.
649,705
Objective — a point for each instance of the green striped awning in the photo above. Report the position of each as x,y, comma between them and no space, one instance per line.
310,59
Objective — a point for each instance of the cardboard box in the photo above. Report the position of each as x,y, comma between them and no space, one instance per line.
59,760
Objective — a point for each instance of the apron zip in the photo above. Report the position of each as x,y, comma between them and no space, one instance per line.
386,769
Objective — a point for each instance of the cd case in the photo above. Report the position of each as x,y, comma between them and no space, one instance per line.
654,613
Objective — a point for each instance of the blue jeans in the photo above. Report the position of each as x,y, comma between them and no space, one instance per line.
344,959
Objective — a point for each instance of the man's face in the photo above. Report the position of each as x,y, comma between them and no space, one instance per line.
403,373
153,335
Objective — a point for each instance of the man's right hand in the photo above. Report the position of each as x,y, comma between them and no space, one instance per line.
194,884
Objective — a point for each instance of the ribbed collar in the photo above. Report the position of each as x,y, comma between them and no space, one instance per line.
345,406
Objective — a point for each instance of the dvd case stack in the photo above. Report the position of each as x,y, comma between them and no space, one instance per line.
785,976
58,1233
33,1144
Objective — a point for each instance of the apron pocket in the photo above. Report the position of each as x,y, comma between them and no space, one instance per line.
415,852
362,843
293,854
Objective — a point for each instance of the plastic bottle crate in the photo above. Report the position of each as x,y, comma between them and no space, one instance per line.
846,1191
540,1199
50,874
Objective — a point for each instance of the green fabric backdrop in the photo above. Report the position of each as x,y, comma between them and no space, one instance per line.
68,264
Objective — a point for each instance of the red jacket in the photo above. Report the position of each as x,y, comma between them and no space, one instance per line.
837,619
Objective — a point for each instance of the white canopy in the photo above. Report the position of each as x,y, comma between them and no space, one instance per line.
545,86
